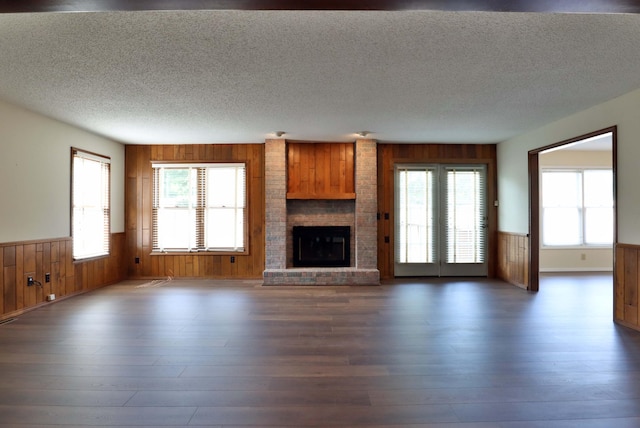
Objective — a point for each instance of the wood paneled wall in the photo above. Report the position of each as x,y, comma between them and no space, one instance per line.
391,154
627,285
513,259
35,258
320,171
138,204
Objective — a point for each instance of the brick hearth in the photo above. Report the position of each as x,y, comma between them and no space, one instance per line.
283,214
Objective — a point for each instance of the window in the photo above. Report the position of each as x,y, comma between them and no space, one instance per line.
90,201
199,207
416,216
466,214
577,207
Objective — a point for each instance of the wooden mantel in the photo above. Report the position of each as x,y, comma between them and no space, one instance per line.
320,170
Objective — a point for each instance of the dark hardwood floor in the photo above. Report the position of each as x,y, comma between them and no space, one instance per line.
412,353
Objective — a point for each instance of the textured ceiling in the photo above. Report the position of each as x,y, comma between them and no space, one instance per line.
238,76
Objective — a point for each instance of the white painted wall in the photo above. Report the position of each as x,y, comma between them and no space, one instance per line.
35,175
576,260
513,212
576,159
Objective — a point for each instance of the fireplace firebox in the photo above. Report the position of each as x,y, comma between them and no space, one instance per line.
321,246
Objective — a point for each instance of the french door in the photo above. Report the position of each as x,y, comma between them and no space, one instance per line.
440,220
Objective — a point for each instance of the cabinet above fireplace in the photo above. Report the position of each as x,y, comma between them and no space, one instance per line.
320,170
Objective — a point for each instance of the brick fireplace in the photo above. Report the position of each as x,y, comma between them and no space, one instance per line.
283,214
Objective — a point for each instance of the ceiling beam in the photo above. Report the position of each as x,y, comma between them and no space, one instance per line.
557,6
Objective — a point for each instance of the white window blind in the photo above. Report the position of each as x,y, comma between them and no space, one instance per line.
90,194
199,207
416,228
465,215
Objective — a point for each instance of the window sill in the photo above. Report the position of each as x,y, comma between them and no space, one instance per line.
92,258
199,253
576,247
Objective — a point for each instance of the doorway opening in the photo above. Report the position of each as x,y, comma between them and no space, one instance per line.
572,224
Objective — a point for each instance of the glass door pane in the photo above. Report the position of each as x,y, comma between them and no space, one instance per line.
416,221
464,204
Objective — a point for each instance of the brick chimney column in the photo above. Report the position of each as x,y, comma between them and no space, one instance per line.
366,204
275,204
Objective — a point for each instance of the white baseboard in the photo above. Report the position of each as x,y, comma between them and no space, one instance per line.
587,269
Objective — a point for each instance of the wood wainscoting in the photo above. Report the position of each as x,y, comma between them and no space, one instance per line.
513,258
391,154
54,256
627,285
138,213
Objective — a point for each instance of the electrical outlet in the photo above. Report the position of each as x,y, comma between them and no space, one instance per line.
47,277
137,260
51,297
30,281
233,259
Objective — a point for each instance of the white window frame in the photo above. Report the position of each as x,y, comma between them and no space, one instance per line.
90,201
200,209
581,208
